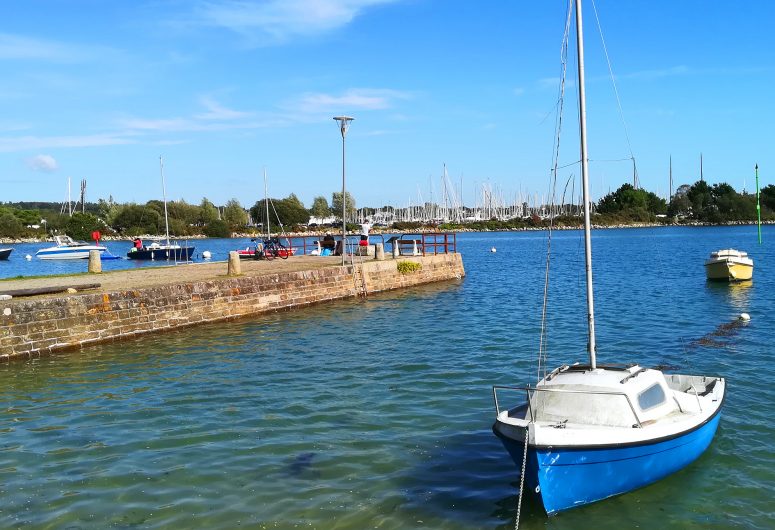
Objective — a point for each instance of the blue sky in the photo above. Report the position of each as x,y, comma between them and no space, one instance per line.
98,90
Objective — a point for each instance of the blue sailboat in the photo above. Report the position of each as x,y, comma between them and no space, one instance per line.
586,432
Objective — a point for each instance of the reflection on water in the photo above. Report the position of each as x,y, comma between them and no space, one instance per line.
378,413
736,294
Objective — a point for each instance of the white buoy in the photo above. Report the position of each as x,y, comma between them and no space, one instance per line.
493,249
28,257
745,317
206,254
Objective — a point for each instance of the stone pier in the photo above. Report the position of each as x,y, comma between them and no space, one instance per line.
133,305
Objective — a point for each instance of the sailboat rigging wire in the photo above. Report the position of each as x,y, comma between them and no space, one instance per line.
576,163
616,90
542,356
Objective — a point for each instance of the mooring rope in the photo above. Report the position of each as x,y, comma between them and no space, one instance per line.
522,478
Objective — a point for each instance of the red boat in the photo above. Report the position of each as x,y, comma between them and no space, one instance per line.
267,250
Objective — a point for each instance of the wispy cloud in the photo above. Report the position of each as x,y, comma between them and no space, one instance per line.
19,47
26,143
45,163
216,111
277,21
215,117
352,99
657,74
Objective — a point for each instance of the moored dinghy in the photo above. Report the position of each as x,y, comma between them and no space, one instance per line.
730,265
5,252
588,432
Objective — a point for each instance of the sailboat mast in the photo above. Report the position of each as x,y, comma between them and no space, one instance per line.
164,196
266,204
585,186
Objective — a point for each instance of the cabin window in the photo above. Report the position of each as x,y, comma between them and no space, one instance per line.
651,397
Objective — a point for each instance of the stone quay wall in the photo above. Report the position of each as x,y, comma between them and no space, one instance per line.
32,327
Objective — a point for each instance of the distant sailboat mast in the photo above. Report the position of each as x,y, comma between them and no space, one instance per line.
671,180
164,196
266,204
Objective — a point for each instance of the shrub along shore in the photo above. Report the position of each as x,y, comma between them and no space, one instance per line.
417,229
699,204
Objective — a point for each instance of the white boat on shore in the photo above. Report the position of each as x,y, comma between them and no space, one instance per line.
67,248
730,265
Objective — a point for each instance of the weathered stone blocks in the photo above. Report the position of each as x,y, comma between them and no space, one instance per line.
36,326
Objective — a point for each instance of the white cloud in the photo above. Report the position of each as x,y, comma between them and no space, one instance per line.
24,143
216,111
352,99
45,163
19,47
276,21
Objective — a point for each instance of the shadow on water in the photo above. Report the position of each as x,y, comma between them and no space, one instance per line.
301,466
471,475
463,474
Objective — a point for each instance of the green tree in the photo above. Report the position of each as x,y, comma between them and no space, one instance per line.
207,212
10,226
134,220
632,203
767,197
235,215
700,199
217,228
320,208
81,226
291,211
680,204
336,205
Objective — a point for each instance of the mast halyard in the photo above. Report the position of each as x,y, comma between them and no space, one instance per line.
585,186
164,196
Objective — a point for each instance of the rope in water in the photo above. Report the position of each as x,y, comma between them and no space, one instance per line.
522,478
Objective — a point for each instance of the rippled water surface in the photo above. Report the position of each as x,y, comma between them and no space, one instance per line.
378,414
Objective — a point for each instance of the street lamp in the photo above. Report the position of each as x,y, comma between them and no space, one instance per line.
344,124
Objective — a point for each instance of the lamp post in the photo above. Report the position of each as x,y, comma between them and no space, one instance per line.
344,124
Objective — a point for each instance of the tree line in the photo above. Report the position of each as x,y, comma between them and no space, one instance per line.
37,219
698,202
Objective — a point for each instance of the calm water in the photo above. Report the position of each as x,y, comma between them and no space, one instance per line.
377,414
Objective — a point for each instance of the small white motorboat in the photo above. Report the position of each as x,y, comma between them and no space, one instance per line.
729,265
66,248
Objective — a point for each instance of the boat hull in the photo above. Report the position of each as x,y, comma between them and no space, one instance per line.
728,271
68,253
251,254
5,252
162,254
564,478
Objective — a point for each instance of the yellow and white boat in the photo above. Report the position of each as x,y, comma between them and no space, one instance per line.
730,265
